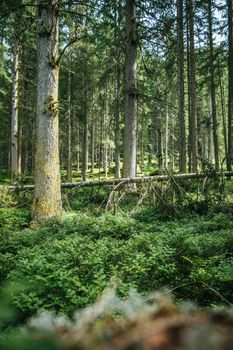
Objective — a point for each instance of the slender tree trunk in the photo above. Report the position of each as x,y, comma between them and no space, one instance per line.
69,123
47,200
149,147
142,146
85,140
166,134
105,134
230,85
173,146
212,86
20,150
117,123
210,129
130,132
15,112
189,146
92,143
33,151
160,144
101,140
181,110
117,96
222,96
78,148
192,77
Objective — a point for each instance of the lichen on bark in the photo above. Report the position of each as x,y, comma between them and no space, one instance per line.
47,200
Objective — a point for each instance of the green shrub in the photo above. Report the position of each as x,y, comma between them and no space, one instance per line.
7,199
65,264
13,219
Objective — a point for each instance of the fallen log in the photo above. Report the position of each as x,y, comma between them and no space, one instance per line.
113,182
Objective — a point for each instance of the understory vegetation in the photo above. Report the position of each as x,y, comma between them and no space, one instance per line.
141,237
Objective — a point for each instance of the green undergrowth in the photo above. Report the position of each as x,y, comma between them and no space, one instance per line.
178,241
65,264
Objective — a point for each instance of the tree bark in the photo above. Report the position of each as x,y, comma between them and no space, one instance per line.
105,133
180,63
69,123
160,142
15,171
47,200
92,141
78,146
222,97
85,140
130,132
192,77
114,182
212,86
117,123
117,94
166,132
230,85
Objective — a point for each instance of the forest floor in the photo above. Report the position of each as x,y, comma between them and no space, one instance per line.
141,238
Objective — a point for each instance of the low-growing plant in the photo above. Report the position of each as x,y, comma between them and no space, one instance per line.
65,264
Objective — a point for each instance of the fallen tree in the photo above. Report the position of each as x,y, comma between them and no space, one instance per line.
113,182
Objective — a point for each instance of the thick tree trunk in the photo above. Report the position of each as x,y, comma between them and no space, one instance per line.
230,85
192,77
181,110
212,86
47,200
130,132
15,172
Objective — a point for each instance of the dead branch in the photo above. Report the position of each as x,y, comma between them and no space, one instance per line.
114,182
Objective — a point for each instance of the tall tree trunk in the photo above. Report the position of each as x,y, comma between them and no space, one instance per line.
47,200
160,143
189,146
181,111
105,133
69,123
230,85
78,146
142,146
130,132
92,141
85,140
15,110
166,130
117,122
210,129
222,96
117,95
192,77
212,86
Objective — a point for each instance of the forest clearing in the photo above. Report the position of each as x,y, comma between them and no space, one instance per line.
116,190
